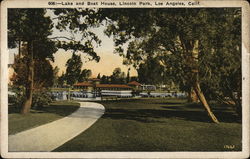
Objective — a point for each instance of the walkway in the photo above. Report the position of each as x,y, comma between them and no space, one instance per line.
52,135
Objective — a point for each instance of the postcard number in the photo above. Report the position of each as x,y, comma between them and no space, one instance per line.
229,146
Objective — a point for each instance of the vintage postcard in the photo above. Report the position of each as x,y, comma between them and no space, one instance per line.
124,79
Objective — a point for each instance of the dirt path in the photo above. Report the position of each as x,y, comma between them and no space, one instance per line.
52,135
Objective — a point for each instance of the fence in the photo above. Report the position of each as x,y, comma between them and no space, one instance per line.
84,95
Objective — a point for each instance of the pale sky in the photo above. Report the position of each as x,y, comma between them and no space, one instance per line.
108,59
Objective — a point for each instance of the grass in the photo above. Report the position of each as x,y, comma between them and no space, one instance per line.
158,125
56,110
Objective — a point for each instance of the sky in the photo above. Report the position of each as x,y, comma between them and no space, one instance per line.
108,59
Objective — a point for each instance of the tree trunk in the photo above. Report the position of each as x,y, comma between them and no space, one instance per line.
202,98
196,84
29,86
192,97
19,48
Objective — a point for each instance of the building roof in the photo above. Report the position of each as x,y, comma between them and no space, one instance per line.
83,84
88,84
134,83
112,86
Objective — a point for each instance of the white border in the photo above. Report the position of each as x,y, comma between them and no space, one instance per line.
44,4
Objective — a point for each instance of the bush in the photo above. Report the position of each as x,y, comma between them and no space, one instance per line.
40,99
15,100
11,99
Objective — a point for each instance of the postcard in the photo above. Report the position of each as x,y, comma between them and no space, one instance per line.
124,79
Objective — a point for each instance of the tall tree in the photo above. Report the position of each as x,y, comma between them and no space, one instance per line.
180,38
55,76
104,79
34,28
128,76
151,72
118,77
85,75
221,73
61,80
99,76
73,70
31,27
43,73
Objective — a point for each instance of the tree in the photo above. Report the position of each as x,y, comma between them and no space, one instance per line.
55,76
30,26
221,76
134,78
104,79
99,76
151,72
73,70
181,38
61,80
34,28
118,77
128,76
85,74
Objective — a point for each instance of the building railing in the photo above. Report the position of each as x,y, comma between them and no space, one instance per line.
120,94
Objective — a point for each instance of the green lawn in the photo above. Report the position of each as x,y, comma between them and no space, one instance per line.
158,125
56,110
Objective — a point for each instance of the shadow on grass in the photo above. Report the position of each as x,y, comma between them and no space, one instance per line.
170,103
190,112
62,110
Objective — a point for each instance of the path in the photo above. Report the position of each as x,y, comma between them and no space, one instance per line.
52,135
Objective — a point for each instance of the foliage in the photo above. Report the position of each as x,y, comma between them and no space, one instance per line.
43,73
55,76
61,80
25,25
41,99
221,73
128,76
30,28
85,75
118,77
34,28
17,99
192,45
73,70
77,22
151,72
134,78
104,79
99,76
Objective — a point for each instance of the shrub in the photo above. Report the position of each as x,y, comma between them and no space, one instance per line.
41,98
15,101
11,99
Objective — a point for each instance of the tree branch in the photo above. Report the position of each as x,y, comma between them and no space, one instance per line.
62,37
